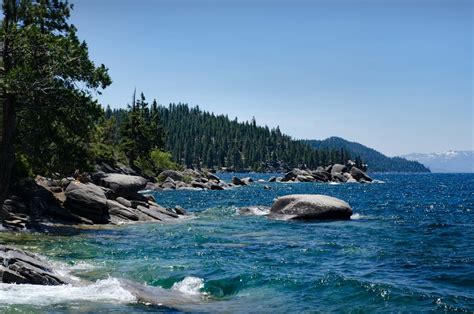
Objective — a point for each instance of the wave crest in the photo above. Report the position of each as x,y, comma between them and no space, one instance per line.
189,285
106,290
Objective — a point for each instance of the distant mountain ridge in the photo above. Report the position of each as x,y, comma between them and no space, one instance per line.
376,161
448,161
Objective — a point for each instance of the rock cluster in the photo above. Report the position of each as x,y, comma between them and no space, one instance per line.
101,198
188,179
333,173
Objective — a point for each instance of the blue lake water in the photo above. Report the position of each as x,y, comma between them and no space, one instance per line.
409,247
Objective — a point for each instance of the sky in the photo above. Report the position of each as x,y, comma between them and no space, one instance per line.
395,75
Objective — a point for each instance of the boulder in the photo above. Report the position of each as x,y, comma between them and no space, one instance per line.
117,209
360,175
201,179
338,168
124,201
175,175
180,210
191,173
247,180
214,186
162,210
23,268
338,177
321,175
153,213
294,173
303,178
88,195
87,200
310,206
272,179
122,184
213,177
197,184
169,184
237,181
150,186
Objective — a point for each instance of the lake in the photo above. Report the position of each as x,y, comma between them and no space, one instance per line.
408,247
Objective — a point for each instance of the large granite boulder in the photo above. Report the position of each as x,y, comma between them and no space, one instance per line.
23,268
360,175
122,184
87,200
310,206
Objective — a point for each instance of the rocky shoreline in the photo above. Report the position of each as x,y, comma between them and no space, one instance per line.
100,198
118,195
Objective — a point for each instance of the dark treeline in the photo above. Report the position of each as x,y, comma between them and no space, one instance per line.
198,138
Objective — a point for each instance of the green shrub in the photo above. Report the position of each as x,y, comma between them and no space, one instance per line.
162,160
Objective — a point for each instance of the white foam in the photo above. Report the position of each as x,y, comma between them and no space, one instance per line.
64,270
378,181
82,266
189,285
107,291
357,216
334,183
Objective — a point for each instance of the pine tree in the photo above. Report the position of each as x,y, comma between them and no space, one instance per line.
45,67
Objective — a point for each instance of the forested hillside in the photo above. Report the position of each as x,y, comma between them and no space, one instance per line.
375,160
199,138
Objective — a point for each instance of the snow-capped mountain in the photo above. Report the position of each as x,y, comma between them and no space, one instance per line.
449,161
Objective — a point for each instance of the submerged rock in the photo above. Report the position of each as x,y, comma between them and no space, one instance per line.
310,206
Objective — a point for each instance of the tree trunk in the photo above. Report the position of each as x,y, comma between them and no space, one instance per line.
7,153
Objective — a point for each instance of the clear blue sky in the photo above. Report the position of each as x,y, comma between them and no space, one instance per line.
393,75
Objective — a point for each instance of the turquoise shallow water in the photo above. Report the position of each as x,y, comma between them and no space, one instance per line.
409,248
